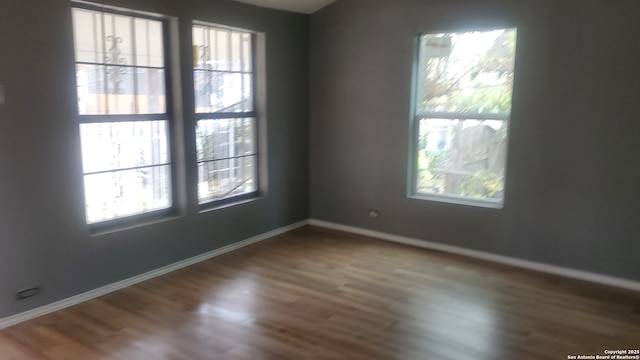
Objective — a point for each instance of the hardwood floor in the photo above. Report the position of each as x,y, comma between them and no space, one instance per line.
318,294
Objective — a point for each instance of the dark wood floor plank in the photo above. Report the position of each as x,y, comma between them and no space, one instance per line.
320,294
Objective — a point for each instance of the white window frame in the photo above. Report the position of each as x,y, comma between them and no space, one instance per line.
235,195
420,114
165,116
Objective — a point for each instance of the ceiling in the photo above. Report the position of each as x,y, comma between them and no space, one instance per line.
299,6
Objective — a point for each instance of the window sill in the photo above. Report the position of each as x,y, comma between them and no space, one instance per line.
214,206
460,200
116,228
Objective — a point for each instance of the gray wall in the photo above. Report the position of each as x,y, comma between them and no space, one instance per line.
43,237
572,187
573,178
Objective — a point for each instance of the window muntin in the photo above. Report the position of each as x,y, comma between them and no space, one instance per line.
226,130
463,104
122,106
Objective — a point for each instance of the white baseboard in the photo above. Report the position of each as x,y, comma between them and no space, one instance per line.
74,300
525,264
500,259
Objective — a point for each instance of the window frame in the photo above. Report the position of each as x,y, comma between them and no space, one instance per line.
230,115
418,115
168,115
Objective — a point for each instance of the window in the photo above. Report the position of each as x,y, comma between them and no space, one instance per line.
123,114
463,92
226,131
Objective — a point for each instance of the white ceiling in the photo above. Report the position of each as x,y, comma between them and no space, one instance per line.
300,6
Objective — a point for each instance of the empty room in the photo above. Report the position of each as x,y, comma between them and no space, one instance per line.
319,179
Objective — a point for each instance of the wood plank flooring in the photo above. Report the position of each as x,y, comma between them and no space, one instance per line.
319,294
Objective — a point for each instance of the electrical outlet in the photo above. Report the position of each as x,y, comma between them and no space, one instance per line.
27,293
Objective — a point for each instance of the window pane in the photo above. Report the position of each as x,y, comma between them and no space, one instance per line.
236,51
155,44
120,94
199,35
119,194
469,72
203,83
247,144
118,40
122,83
246,52
149,46
120,90
200,47
220,179
151,91
462,157
142,37
122,145
247,93
226,156
222,91
88,36
221,50
91,89
224,138
231,95
223,80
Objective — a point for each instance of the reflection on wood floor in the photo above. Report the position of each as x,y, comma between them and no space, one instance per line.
319,294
